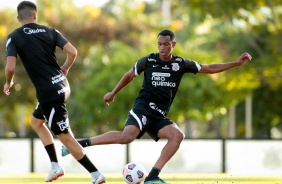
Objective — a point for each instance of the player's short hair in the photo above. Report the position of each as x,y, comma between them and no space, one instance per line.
26,9
167,32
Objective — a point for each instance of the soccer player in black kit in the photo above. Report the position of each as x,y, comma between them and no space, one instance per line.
162,75
35,45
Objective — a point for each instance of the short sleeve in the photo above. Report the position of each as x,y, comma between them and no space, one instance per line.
60,39
192,66
11,49
139,66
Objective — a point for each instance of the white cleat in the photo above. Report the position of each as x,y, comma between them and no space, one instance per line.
99,180
54,174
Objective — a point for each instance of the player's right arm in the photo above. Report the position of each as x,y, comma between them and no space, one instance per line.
127,78
9,73
11,53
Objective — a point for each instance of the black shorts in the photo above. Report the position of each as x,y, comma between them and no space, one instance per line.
147,123
56,115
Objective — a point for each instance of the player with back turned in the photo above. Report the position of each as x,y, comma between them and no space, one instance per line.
35,45
162,75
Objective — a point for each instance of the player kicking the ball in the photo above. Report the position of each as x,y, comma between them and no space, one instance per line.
162,75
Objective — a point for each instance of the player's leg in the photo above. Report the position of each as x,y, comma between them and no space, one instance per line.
129,133
39,126
42,131
57,116
78,153
174,137
126,136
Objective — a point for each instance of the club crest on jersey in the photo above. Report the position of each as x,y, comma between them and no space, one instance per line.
175,66
144,120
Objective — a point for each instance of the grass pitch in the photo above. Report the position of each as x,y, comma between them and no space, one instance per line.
117,179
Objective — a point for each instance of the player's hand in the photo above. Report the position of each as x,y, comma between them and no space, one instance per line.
7,86
109,97
65,70
244,58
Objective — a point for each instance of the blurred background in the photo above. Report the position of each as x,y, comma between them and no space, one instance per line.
237,113
111,35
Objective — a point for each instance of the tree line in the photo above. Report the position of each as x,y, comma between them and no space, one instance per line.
111,38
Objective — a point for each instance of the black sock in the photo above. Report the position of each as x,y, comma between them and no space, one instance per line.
87,164
154,173
51,152
85,142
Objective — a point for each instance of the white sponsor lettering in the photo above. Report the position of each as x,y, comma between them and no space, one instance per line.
151,59
165,67
160,83
159,79
58,78
161,74
63,90
155,107
27,30
178,59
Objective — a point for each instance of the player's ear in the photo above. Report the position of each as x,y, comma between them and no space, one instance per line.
18,18
173,43
34,15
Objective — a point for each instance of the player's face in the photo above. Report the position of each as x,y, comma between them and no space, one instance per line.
165,46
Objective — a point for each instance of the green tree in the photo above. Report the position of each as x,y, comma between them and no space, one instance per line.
110,39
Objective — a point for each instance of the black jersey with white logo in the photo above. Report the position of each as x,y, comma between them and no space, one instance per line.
161,80
35,44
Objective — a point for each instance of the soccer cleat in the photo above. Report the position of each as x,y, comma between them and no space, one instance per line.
65,151
99,180
156,181
54,174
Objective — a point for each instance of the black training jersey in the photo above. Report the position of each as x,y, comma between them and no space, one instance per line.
36,44
161,80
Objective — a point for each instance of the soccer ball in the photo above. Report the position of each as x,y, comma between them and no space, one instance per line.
133,173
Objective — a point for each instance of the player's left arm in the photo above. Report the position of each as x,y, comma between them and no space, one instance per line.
9,73
71,56
216,68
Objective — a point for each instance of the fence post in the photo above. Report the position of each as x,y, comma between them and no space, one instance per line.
223,156
31,155
127,154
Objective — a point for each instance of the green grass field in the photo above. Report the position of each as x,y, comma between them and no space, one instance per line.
116,179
